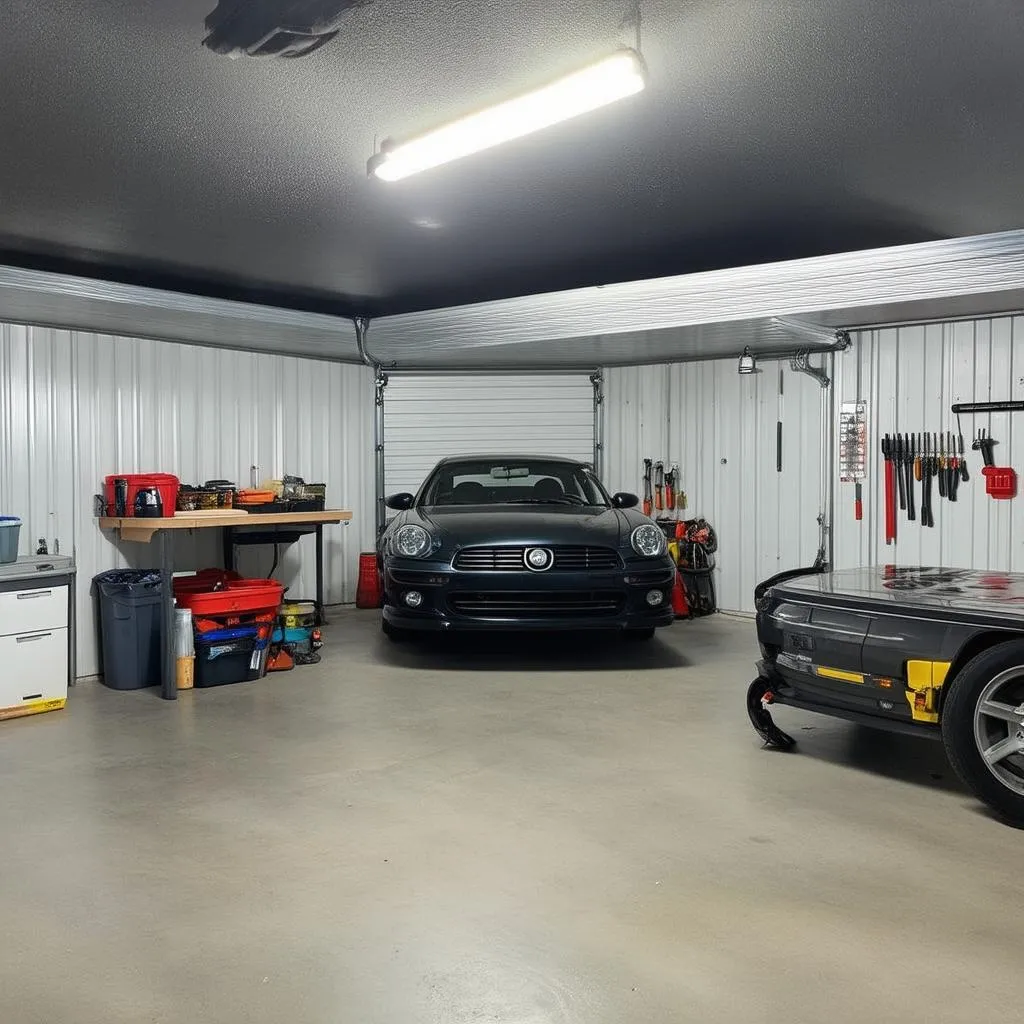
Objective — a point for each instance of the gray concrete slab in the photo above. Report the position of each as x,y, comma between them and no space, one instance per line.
514,832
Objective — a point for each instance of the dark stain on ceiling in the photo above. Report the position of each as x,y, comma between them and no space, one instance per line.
769,130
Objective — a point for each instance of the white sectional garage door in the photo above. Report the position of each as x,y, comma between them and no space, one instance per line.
429,417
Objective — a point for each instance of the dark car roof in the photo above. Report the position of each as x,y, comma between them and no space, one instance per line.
511,457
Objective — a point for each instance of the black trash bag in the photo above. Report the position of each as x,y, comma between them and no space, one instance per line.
128,581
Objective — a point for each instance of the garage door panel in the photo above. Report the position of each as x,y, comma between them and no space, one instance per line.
427,418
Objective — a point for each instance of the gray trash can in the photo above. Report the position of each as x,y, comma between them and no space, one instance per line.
10,531
131,627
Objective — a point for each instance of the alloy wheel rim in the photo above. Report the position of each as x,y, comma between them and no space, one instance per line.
999,728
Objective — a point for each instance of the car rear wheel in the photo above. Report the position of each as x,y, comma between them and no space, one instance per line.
637,635
983,728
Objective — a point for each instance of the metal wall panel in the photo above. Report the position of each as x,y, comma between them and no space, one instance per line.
720,428
44,299
931,280
429,417
75,407
910,376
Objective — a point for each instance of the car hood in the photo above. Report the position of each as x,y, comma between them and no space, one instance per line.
463,526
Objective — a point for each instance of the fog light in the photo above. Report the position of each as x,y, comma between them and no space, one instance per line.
413,598
655,597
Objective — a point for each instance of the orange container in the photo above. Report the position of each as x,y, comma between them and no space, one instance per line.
251,497
370,588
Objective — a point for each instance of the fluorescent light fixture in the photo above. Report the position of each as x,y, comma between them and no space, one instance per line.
613,78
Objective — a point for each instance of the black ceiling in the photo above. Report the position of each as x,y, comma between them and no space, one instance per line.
769,130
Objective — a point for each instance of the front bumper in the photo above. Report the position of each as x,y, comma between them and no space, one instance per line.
453,600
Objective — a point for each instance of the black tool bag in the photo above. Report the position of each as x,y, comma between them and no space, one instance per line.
696,570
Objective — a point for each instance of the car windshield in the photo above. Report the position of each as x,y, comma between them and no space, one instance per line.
512,482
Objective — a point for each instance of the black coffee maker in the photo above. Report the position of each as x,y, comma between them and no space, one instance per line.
148,504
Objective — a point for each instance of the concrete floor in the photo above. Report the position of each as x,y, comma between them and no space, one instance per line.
504,833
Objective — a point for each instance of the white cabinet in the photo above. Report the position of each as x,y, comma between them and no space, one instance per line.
35,676
35,607
36,633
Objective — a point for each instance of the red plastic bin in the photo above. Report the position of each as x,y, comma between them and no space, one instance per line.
165,483
236,598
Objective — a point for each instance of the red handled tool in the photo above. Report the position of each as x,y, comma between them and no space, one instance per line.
659,486
858,504
888,454
671,482
648,502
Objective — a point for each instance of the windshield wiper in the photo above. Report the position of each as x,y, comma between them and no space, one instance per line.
543,501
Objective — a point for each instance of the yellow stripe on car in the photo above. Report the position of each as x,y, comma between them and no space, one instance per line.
838,673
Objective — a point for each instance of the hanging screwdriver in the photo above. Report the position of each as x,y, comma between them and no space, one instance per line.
940,464
897,459
907,469
917,457
964,475
953,472
927,518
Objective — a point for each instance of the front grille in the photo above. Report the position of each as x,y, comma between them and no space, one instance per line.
536,604
567,558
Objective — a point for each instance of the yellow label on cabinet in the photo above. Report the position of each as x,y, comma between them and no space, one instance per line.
33,707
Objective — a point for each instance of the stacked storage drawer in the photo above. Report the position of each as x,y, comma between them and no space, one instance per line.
35,635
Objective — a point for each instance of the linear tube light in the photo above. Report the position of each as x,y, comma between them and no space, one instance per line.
613,78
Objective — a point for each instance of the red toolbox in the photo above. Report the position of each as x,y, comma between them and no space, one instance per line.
211,597
165,483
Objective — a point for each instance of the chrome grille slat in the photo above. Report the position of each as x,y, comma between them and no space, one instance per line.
568,558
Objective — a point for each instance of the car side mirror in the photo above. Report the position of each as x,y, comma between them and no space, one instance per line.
400,502
625,500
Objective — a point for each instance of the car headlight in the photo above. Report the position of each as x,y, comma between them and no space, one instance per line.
411,541
648,540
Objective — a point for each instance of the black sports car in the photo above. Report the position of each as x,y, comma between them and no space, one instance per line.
930,651
522,542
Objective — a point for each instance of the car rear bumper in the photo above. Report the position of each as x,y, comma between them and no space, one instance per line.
453,601
853,703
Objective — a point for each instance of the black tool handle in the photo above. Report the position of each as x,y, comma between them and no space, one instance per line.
969,407
940,472
900,479
908,468
926,494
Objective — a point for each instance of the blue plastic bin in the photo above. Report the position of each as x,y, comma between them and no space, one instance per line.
10,532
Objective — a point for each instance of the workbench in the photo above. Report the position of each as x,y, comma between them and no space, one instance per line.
239,528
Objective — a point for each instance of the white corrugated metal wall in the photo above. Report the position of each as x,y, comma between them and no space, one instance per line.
429,417
720,427
910,376
75,407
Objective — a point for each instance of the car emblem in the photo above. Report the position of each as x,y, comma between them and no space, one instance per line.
538,559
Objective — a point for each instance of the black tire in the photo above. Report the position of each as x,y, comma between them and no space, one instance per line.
637,635
994,678
393,633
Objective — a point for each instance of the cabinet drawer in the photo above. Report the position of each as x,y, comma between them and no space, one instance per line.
33,669
33,608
